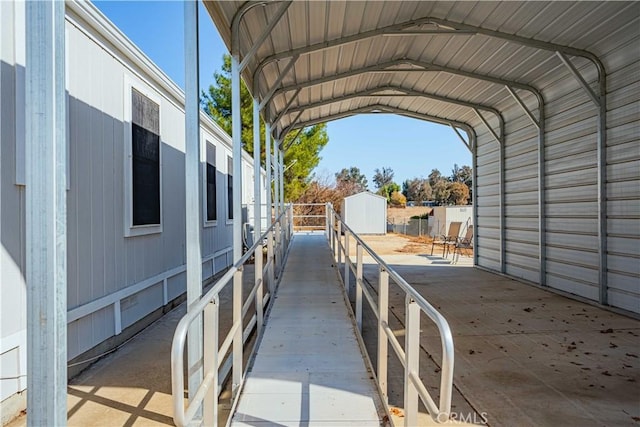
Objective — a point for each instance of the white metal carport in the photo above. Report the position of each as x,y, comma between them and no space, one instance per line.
544,94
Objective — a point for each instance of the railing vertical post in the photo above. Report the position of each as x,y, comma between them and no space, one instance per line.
277,249
383,343
259,282
270,257
326,220
412,359
237,338
211,362
359,286
290,221
333,235
339,242
347,272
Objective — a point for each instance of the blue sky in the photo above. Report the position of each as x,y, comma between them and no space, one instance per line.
412,148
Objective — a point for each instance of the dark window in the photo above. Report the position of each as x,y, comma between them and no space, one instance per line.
145,150
230,187
211,182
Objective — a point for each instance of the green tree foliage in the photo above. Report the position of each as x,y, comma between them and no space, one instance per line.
305,151
417,189
351,181
383,177
388,189
306,154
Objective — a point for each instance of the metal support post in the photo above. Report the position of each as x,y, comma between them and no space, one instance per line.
267,154
192,192
281,164
383,343
46,214
257,151
359,276
210,407
276,180
412,362
237,219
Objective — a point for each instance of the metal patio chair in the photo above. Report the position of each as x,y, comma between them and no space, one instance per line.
465,242
451,238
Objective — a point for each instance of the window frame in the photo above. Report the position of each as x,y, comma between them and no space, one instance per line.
229,189
131,230
204,140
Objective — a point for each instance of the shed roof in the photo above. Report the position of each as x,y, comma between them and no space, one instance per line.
317,61
365,194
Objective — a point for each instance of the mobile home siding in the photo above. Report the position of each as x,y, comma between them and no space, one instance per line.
114,280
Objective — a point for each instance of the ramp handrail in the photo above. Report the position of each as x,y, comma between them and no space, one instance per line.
414,305
205,398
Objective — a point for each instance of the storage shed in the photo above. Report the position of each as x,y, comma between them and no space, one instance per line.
365,213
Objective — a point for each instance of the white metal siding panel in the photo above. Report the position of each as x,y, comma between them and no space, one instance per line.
488,242
366,213
623,177
101,260
12,210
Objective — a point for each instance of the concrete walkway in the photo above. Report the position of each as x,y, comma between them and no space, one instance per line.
309,370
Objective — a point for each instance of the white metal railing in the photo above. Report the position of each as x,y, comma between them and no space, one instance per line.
414,305
309,216
203,405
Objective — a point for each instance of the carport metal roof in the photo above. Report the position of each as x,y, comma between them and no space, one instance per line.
310,61
471,65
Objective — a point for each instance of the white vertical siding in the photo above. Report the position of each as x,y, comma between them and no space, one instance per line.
12,237
570,181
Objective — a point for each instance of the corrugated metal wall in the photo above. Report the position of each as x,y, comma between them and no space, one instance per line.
570,183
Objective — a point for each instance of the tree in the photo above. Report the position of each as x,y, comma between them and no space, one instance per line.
383,177
388,189
458,193
434,177
463,175
351,181
398,199
417,189
305,151
441,192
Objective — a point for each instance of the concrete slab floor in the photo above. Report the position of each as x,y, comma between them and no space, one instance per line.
524,356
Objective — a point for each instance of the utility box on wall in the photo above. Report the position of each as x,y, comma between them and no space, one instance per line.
365,213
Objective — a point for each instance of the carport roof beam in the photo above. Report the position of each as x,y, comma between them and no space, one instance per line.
405,92
265,33
523,106
271,91
285,109
579,78
424,67
529,42
486,123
